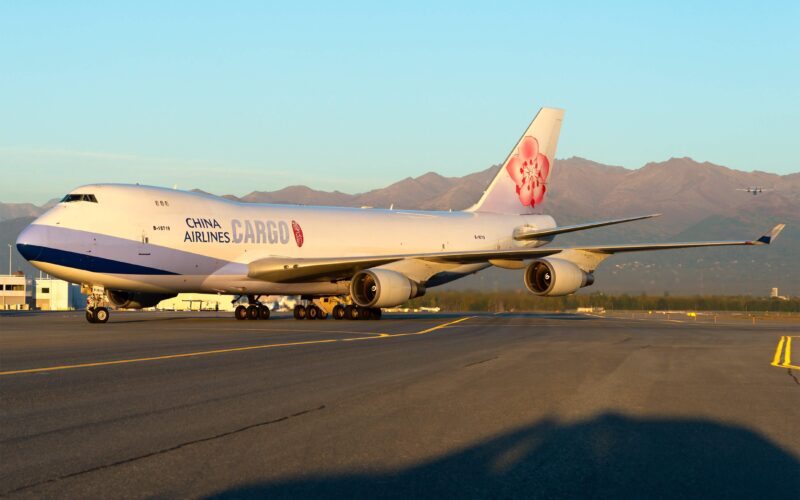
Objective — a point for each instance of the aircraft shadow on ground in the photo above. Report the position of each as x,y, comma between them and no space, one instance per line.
387,316
611,456
115,317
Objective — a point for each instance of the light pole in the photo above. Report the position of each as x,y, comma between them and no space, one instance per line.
9,259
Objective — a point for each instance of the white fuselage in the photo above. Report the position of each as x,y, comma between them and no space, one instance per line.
160,240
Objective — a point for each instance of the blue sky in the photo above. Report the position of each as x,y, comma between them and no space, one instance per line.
232,97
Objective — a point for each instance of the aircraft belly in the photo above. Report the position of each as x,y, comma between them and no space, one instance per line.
244,285
132,282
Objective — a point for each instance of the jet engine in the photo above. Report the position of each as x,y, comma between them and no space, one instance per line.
136,300
553,277
383,288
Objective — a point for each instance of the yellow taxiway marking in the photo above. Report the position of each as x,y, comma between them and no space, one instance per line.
785,348
230,349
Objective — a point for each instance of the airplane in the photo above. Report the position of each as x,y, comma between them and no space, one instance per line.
131,246
755,189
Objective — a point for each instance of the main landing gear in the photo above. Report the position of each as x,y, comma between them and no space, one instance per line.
255,310
96,304
337,307
309,312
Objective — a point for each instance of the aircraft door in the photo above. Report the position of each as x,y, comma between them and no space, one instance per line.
144,244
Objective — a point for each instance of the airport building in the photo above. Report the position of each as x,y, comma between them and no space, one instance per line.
774,294
57,295
198,302
16,292
215,302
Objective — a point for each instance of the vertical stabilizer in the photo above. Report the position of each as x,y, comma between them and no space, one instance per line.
521,184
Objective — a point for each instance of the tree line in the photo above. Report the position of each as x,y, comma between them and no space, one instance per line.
510,301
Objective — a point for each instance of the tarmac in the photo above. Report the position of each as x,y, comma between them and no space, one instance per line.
426,405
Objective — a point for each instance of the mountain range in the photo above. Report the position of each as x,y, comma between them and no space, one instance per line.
698,201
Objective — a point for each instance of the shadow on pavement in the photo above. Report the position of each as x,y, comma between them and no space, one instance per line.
529,315
156,317
611,456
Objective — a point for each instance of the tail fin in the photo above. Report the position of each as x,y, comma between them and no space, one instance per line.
521,183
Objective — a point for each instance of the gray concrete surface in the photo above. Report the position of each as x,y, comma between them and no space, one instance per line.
533,405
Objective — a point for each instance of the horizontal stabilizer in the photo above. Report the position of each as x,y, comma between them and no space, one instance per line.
531,233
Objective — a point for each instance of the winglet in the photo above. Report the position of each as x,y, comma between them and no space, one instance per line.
770,236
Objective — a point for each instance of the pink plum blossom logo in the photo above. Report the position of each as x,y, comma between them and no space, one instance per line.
529,170
298,233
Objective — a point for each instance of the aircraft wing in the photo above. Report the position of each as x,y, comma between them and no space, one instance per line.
528,233
288,270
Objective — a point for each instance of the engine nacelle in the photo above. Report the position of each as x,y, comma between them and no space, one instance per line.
383,288
136,300
553,277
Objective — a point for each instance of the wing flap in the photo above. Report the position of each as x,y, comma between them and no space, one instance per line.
287,270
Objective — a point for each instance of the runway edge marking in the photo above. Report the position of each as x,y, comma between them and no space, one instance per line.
228,350
784,348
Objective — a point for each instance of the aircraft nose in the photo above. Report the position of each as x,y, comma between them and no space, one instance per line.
31,242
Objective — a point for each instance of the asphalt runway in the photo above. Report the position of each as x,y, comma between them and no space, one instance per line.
529,405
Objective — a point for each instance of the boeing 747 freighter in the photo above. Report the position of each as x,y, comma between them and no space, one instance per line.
132,246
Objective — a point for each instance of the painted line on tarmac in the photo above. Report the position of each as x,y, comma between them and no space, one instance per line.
784,350
232,349
517,325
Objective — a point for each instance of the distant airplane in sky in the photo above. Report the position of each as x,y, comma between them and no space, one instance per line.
755,189
132,246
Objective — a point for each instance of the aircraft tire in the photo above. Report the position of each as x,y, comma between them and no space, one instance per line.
101,315
252,312
364,313
299,312
90,315
351,312
338,312
240,312
263,312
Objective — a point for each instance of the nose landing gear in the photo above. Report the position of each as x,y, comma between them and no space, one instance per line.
96,304
97,314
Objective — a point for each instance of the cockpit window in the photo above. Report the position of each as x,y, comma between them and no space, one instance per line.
79,197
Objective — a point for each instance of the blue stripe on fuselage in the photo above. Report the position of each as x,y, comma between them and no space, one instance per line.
84,261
